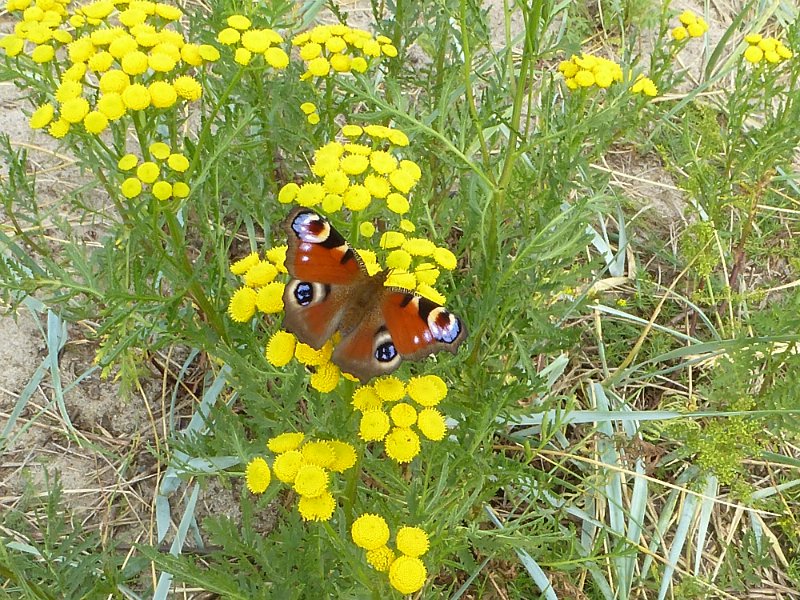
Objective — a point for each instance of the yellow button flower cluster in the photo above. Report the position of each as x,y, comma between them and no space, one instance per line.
587,70
126,60
260,290
767,49
692,26
396,427
407,572
644,85
248,41
327,49
157,173
353,172
307,467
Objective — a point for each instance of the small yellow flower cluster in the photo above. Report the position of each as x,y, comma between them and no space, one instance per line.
260,290
257,475
125,60
351,174
307,467
155,173
339,49
407,573
283,346
248,41
586,70
768,49
310,111
644,85
395,427
692,25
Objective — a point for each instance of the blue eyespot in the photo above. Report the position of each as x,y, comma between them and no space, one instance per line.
386,352
304,293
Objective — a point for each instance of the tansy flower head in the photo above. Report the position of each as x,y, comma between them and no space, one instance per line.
345,456
403,414
280,348
366,398
402,444
407,574
412,541
320,453
374,425
427,390
242,306
285,442
260,274
325,378
381,558
432,424
287,465
370,531
241,266
319,508
310,480
257,475
390,389
270,297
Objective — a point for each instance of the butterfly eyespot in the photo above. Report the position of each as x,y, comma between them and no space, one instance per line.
304,293
311,227
444,325
386,352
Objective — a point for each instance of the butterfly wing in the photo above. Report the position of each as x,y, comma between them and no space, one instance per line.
401,326
322,266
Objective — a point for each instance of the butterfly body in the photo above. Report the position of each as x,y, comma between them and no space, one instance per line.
331,291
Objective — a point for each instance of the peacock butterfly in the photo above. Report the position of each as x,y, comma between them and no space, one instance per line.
331,291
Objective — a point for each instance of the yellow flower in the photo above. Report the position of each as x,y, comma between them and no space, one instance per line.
131,187
190,54
427,291
644,85
136,97
383,162
131,17
341,63
380,558
332,202
260,274
180,189
427,390
698,28
168,12
42,116
255,40
753,54
377,186
127,162
432,424
276,58
75,72
162,190
239,22
242,306
209,52
319,508
352,131
101,61
310,480
345,456
336,182
280,348
148,172
357,197
228,36
319,452
162,94
412,168
122,45
687,17
397,203
114,81
135,63
270,298
43,54
407,574
159,150
308,107
392,239
187,87
311,357
389,50
243,56
285,442
111,105
366,229
412,541
426,273
310,194
74,110
403,414
59,128
445,258
319,66
95,122
286,465
402,444
390,389
374,425
241,266
419,247
257,475
402,280
398,138
584,78
277,256
407,226
325,378
370,531
365,398
80,50
161,62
